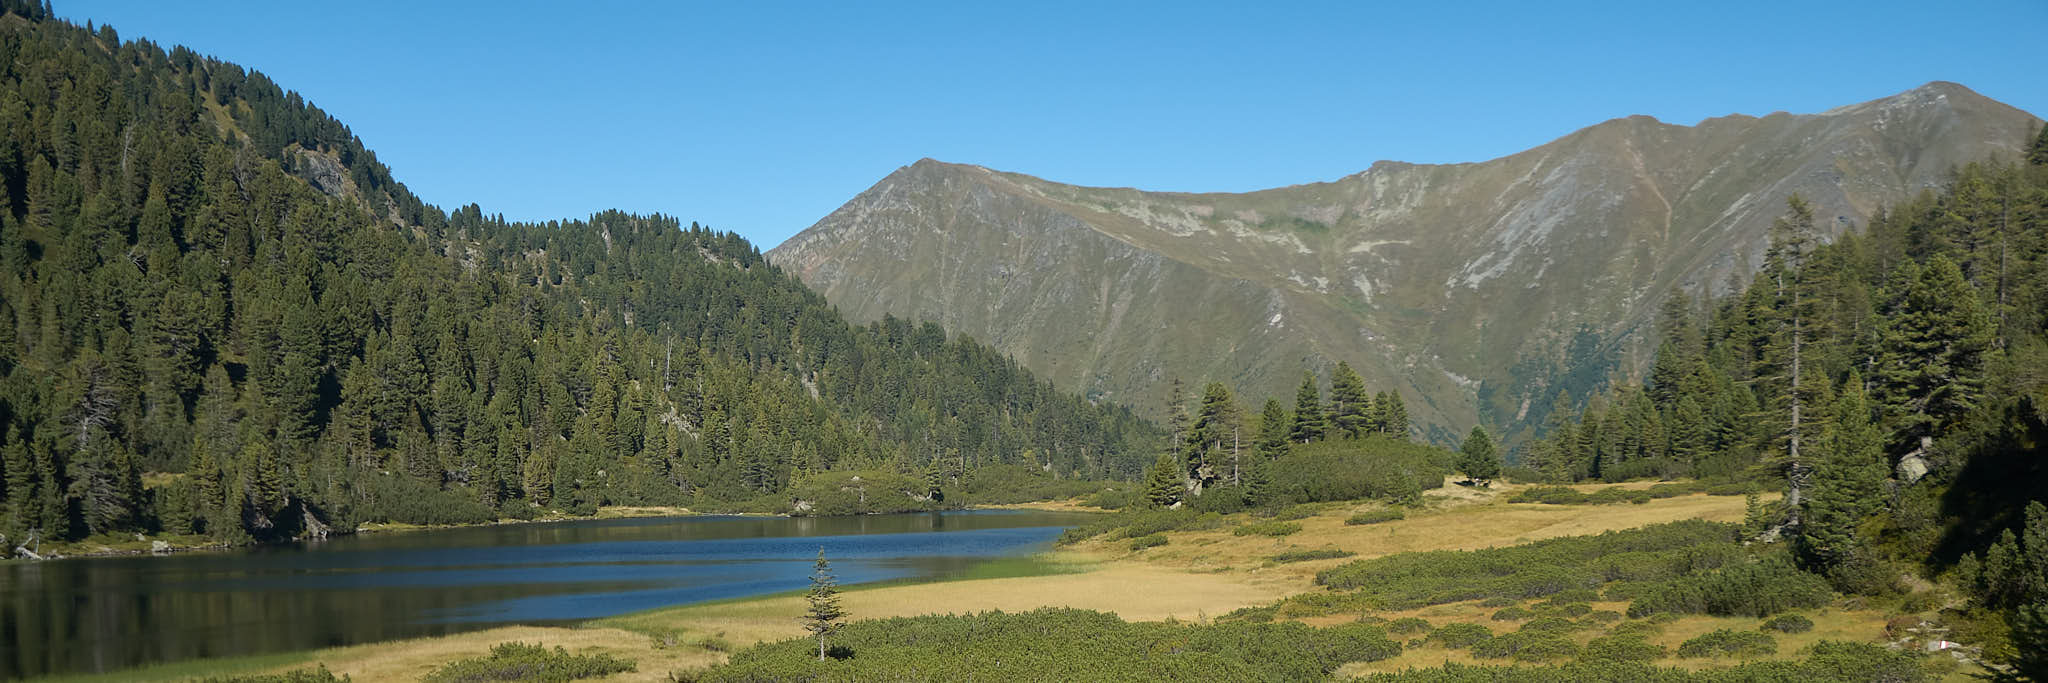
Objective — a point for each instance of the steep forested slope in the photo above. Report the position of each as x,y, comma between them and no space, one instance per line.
225,317
1895,380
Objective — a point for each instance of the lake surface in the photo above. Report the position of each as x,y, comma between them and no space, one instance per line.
102,614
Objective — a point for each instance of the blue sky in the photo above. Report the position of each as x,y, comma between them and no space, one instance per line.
761,117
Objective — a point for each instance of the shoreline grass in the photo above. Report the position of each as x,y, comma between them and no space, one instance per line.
1200,575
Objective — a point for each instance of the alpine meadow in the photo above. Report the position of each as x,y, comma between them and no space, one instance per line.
1758,398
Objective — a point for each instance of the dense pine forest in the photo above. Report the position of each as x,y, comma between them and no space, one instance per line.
228,319
1895,381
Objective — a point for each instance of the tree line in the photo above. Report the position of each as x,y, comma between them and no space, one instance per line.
227,319
1893,380
1214,447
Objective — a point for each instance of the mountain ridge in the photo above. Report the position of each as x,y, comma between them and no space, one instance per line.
1356,263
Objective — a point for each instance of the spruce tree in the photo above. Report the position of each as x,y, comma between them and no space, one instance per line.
2037,153
1215,441
1309,424
1396,416
1163,481
1349,402
1478,458
1848,479
1931,364
1274,424
822,616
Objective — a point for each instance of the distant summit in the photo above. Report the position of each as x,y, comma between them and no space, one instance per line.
1479,290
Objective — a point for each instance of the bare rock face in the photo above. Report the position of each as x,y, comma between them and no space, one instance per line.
1479,291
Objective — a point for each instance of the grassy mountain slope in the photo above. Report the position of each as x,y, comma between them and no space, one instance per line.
1479,290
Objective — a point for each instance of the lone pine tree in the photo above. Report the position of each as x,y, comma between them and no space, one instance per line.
823,617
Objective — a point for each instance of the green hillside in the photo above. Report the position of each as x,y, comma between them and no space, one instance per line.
227,319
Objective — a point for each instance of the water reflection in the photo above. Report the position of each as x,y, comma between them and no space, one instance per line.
109,613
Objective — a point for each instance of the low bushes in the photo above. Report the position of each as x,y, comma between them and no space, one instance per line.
1549,495
1729,642
1532,570
1375,516
1408,625
1063,644
1294,512
1560,495
1525,646
1621,648
1274,529
1459,635
319,674
1787,623
858,493
522,662
1512,614
1827,661
1355,469
1148,541
1749,590
1006,483
1307,555
1141,522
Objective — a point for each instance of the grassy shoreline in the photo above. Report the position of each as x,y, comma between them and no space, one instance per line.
1196,576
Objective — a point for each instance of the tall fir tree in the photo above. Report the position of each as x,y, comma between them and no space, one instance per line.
1350,404
1309,423
1274,425
822,612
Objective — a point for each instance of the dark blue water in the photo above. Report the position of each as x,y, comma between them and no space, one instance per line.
103,614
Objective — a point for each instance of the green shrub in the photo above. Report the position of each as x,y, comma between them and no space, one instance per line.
1121,497
1459,635
1063,644
1549,495
1136,522
1638,627
1375,516
1566,597
859,492
1788,623
1407,625
319,674
1356,469
1532,570
1275,529
1148,541
1526,647
1605,616
522,662
1621,648
1826,661
1759,589
1733,488
1294,512
1675,489
1221,501
1307,555
1499,601
1005,483
1729,642
1512,614
1551,625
